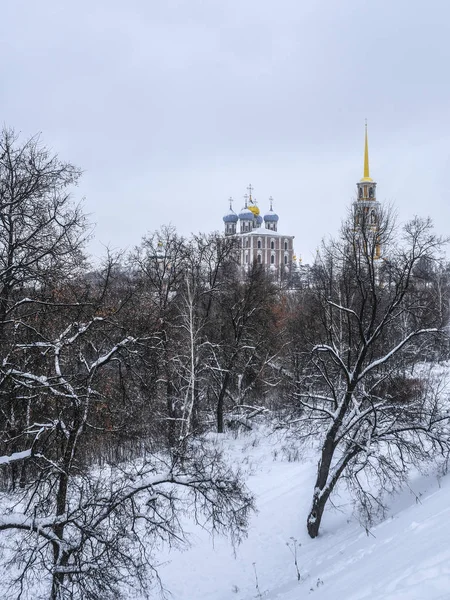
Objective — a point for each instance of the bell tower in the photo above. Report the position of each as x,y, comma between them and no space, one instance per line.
367,186
367,207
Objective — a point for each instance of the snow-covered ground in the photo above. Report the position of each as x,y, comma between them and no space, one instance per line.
405,557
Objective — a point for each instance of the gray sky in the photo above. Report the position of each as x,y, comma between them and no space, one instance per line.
172,106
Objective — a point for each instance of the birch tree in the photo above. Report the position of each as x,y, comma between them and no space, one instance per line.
158,265
182,281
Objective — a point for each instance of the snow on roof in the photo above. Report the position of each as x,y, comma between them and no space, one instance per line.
263,231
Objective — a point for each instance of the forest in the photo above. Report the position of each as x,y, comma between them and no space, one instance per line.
114,376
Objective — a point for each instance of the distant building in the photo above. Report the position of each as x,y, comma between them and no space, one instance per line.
260,240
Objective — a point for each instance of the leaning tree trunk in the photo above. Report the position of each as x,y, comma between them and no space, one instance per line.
327,478
322,491
316,513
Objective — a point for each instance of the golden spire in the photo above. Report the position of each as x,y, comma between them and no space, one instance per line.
366,159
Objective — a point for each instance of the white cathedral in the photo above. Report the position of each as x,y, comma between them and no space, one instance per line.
260,241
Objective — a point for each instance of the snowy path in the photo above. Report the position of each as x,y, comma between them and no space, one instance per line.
211,571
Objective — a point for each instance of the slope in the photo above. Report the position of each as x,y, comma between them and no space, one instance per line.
405,557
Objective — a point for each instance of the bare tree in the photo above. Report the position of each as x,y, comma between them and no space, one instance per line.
41,240
94,531
184,281
81,356
208,259
374,419
41,231
158,267
243,346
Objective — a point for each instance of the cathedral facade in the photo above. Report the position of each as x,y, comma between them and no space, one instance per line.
260,242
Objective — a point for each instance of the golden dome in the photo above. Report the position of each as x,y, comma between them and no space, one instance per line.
254,209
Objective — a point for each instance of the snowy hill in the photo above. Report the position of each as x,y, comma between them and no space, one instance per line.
405,557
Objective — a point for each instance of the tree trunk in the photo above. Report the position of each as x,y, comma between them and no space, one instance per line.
60,557
321,494
221,401
316,513
171,412
324,484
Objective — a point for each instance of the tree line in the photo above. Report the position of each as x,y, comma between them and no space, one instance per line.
112,378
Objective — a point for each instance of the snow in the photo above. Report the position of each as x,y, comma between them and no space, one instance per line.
405,557
15,456
268,232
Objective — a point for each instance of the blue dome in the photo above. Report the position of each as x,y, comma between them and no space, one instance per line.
271,217
246,215
230,217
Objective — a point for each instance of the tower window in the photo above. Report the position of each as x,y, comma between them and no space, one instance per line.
371,192
246,258
259,259
272,259
360,192
272,245
259,243
285,259
285,245
246,243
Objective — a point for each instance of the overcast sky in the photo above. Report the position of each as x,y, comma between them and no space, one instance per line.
170,107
